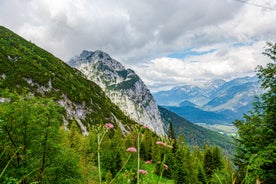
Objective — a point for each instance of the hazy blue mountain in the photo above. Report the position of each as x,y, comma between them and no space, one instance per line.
176,95
197,115
233,97
212,86
187,103
215,102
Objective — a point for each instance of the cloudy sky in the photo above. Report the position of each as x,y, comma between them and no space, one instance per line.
167,43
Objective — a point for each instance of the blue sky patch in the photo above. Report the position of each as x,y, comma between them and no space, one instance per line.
243,44
189,52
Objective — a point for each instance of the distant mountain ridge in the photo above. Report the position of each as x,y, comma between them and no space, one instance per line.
217,102
122,86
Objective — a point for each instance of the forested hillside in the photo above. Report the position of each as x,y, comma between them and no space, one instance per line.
196,135
28,69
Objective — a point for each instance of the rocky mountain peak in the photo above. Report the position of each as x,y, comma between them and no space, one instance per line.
123,86
91,57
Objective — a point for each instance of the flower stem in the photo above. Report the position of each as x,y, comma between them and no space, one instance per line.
138,157
118,173
99,159
100,139
162,168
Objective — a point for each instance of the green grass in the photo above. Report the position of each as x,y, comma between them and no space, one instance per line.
151,177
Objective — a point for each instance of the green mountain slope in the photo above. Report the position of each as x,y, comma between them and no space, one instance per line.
194,134
26,68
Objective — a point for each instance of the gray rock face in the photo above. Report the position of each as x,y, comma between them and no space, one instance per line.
122,86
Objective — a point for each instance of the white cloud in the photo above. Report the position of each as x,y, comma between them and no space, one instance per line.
139,33
226,62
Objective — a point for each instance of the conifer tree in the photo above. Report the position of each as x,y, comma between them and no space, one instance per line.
147,145
208,163
74,137
181,175
256,141
217,158
201,175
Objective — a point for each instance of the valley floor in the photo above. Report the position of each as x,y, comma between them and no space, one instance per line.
229,130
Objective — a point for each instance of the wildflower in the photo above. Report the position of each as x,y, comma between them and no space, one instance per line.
148,161
160,143
146,127
141,171
166,167
131,150
163,144
109,125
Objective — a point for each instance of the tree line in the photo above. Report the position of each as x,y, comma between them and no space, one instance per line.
36,148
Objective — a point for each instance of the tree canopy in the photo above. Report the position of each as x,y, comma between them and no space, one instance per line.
256,141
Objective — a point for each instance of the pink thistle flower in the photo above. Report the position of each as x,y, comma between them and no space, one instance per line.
161,143
148,162
166,167
141,171
109,125
131,150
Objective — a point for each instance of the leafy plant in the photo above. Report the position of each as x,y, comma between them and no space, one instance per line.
256,145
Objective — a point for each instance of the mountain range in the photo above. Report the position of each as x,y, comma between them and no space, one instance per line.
29,70
126,89
217,102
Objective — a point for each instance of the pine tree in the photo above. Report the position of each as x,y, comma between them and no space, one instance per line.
172,137
217,158
201,175
147,144
208,163
256,141
181,175
213,161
